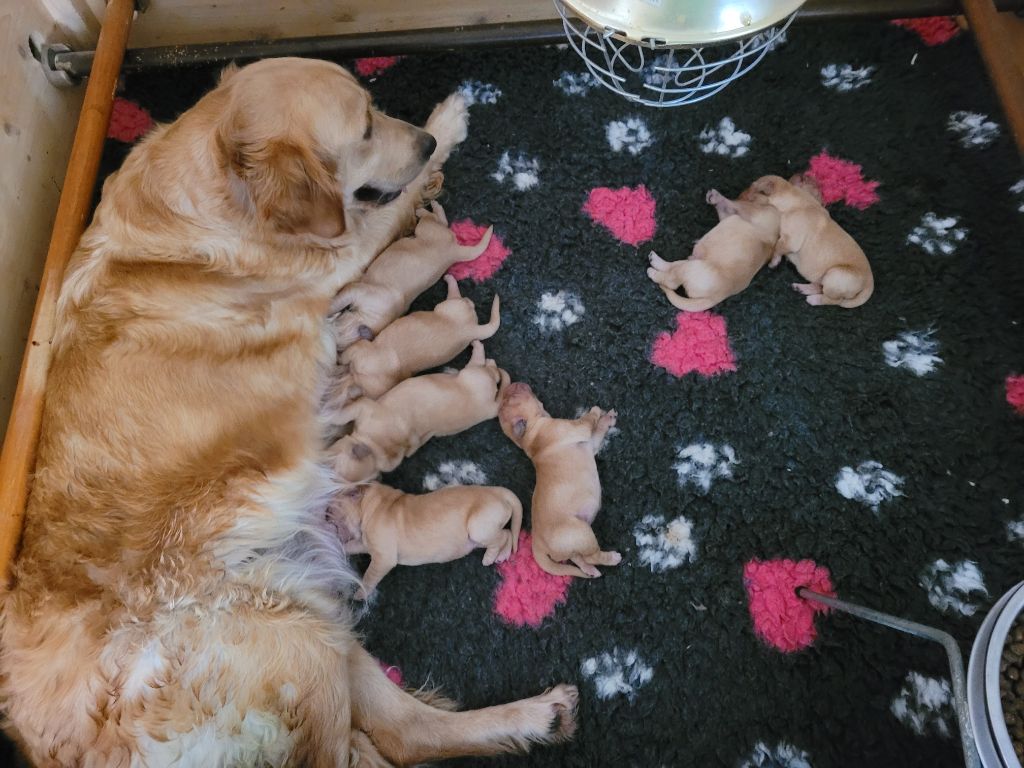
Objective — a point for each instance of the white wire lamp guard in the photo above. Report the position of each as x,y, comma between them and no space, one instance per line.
666,53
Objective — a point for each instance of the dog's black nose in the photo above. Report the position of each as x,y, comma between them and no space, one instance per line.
427,144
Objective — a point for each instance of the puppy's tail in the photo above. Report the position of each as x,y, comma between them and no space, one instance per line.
517,521
470,252
847,286
486,331
555,568
687,304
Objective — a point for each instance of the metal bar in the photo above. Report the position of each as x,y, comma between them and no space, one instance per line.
946,640
19,451
77,64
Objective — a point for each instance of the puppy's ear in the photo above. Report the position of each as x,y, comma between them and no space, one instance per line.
292,188
360,451
519,427
766,187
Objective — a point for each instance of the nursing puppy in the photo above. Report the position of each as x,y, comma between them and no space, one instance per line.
179,597
822,251
414,343
567,495
400,274
390,429
397,528
725,260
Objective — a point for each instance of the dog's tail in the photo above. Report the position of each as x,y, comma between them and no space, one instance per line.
470,252
517,520
555,568
687,304
486,331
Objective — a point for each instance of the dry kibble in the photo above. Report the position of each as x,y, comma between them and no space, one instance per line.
1011,685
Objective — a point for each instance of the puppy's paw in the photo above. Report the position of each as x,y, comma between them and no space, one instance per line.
713,196
560,704
449,124
776,260
608,419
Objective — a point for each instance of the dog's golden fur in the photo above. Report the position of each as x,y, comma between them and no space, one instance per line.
179,595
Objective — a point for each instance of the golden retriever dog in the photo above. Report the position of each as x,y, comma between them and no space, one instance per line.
835,266
397,528
180,597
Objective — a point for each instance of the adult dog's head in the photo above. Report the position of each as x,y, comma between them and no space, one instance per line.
303,143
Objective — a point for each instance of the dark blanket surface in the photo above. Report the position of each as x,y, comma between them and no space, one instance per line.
881,443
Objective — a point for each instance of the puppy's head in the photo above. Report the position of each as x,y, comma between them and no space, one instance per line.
303,142
519,410
808,184
763,189
354,461
345,514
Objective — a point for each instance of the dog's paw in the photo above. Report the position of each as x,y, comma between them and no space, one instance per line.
449,124
713,196
561,702
608,419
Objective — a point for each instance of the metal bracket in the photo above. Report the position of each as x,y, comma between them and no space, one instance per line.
54,74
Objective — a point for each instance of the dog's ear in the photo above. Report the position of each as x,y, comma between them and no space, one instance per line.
809,184
519,427
360,451
291,187
765,187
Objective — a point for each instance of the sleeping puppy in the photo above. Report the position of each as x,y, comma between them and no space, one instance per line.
567,495
822,251
725,260
179,597
412,344
400,274
388,430
397,528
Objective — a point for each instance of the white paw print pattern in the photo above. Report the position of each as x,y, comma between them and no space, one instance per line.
521,170
454,473
1015,530
917,351
954,587
1018,190
557,311
845,78
937,235
617,673
613,432
782,755
476,92
630,134
924,704
725,139
665,545
700,464
870,483
654,74
777,42
973,128
575,83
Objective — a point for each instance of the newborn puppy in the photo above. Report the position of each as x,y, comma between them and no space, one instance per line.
820,249
568,491
397,528
725,260
394,427
400,274
412,344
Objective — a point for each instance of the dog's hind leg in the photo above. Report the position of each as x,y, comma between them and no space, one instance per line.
407,731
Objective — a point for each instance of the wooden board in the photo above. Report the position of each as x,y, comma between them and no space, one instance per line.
37,123
179,22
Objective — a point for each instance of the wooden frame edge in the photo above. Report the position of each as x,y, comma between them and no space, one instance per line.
19,450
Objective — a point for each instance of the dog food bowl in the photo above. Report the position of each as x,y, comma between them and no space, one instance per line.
983,676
